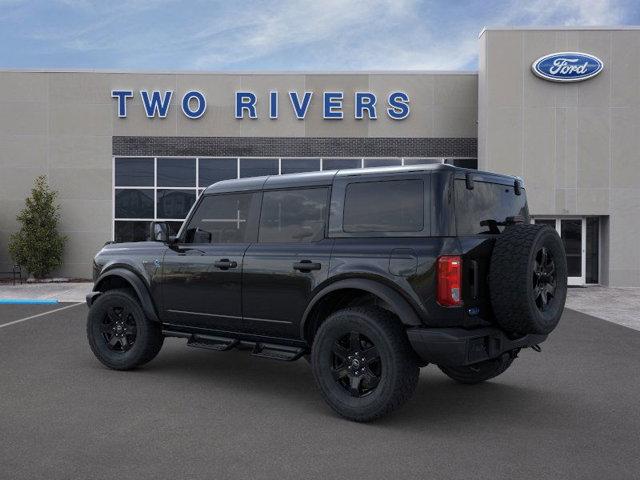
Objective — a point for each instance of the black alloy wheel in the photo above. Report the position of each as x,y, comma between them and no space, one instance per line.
119,328
544,278
356,364
363,362
120,334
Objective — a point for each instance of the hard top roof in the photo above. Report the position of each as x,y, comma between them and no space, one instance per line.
326,177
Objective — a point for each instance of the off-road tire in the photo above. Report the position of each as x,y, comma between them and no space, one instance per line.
479,372
148,337
398,362
512,279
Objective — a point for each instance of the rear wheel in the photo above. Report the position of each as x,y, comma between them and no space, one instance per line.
479,372
363,363
119,333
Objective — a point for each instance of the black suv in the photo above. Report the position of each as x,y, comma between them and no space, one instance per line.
368,274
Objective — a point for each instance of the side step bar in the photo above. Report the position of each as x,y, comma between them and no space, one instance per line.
258,349
212,343
277,352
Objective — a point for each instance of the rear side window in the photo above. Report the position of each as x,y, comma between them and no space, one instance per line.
293,215
388,206
484,208
225,218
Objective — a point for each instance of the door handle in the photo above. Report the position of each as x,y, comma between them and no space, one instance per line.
306,266
225,264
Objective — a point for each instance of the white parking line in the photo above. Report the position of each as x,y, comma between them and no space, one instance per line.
39,315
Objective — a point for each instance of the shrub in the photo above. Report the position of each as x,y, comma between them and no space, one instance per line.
38,246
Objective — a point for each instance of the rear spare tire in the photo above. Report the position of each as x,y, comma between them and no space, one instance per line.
528,279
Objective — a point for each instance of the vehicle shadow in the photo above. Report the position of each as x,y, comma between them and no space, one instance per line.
439,402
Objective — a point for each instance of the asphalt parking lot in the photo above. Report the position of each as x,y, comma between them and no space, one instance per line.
570,412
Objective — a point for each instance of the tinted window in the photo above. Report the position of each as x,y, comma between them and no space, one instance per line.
134,203
299,165
421,161
338,163
489,203
176,172
175,203
293,215
134,172
212,170
222,219
471,163
391,206
258,167
131,231
381,162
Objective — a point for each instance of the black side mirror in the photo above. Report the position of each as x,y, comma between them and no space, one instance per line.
159,232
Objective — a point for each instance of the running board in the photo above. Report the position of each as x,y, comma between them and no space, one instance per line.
274,351
211,342
277,352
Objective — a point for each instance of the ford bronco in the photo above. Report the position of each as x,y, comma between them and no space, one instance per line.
368,274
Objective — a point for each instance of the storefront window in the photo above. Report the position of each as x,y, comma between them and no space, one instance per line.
136,172
212,170
176,172
299,165
258,167
165,188
338,163
382,162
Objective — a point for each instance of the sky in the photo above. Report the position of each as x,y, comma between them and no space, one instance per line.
280,35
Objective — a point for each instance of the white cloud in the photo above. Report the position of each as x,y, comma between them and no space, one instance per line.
305,34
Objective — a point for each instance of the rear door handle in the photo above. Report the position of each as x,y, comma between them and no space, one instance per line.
225,264
306,266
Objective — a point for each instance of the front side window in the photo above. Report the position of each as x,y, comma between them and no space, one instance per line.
225,218
387,206
293,215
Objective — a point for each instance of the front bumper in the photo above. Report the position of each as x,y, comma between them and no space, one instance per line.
456,347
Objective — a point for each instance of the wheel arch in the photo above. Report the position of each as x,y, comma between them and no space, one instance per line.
122,277
328,295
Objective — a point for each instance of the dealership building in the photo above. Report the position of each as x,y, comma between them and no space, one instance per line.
123,149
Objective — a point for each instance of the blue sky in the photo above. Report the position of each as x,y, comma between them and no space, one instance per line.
274,35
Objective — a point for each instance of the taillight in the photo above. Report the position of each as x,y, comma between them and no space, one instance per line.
449,281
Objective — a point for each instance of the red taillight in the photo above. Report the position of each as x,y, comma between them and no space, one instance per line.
449,281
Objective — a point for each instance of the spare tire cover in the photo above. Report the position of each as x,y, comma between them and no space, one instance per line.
528,279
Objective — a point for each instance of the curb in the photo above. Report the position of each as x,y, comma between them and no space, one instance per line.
27,301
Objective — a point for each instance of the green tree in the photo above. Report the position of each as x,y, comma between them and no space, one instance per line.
38,246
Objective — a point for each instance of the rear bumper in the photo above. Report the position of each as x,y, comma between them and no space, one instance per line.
454,347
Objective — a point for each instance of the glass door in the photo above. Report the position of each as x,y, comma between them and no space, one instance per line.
572,231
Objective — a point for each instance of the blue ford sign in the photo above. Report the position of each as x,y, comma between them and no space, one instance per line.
567,66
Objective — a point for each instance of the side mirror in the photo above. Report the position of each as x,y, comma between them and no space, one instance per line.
159,232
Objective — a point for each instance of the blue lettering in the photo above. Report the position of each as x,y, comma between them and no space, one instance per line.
365,101
273,105
300,109
200,100
156,105
246,101
332,105
122,96
398,105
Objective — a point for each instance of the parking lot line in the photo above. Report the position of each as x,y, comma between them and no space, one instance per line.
39,315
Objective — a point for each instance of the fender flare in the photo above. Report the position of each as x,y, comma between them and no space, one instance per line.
397,302
136,283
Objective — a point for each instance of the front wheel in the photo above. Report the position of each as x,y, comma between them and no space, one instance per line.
479,372
119,333
363,363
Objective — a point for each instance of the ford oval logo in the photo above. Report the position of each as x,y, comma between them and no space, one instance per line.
567,66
